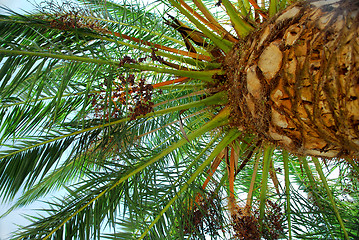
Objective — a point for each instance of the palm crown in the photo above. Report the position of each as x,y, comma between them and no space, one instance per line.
182,125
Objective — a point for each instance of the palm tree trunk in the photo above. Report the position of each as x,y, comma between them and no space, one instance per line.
299,79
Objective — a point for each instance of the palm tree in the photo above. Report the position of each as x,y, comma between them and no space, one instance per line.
204,119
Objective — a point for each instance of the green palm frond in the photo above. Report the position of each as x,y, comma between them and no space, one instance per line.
122,110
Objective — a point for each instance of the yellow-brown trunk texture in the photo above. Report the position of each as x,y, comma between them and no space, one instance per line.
295,81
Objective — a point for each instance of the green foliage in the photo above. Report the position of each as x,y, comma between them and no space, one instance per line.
75,118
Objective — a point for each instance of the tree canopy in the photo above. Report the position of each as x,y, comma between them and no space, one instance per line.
123,106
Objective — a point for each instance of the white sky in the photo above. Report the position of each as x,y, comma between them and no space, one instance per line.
8,224
16,5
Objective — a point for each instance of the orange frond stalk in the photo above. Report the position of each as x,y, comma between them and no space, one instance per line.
213,168
158,46
161,84
210,173
236,153
213,24
199,17
259,10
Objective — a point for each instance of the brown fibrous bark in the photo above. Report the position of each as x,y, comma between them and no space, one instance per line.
295,81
